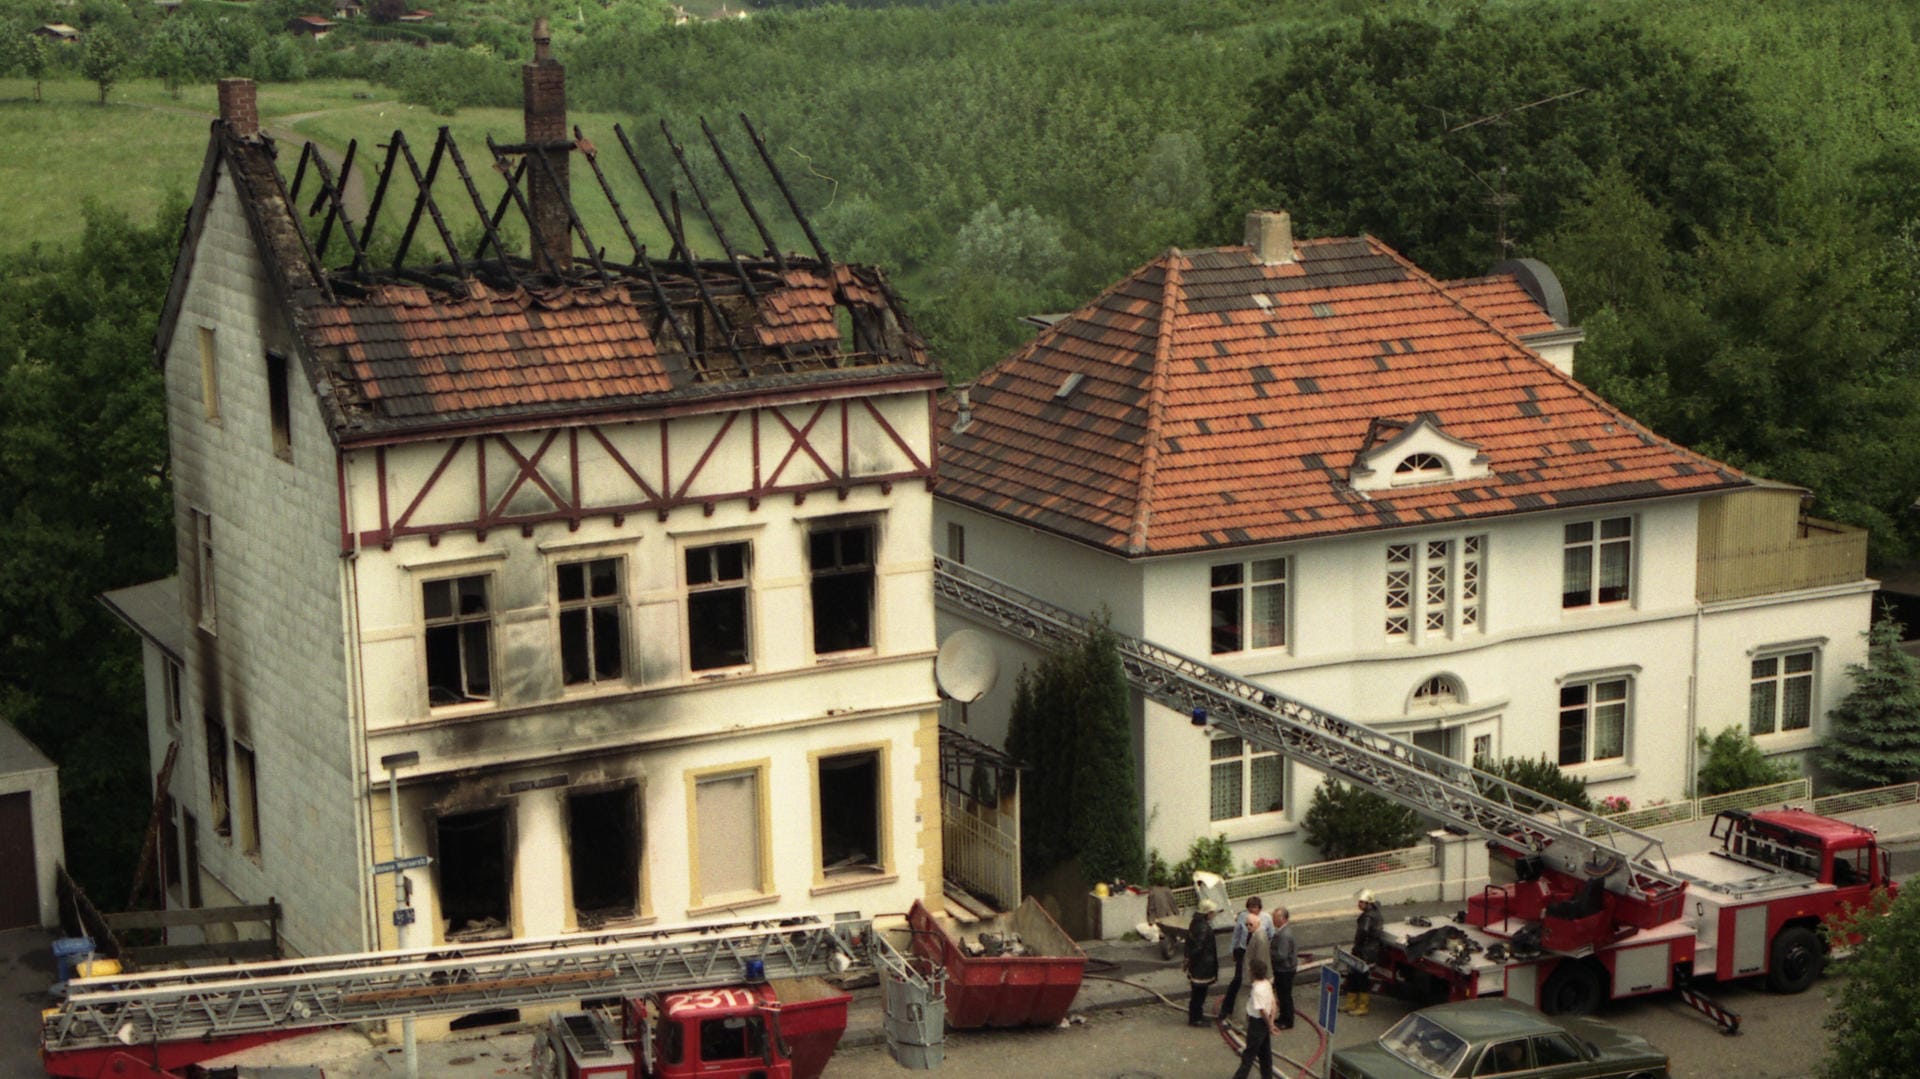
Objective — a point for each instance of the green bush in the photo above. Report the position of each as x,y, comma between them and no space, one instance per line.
1343,821
1734,763
1207,853
1542,776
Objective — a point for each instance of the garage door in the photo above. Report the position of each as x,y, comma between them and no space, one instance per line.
19,890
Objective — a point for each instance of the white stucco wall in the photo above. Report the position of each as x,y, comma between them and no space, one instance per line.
274,667
1510,667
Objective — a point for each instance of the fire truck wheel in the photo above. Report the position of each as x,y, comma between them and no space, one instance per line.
1797,959
1574,988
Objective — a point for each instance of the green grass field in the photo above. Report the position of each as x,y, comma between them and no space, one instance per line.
144,144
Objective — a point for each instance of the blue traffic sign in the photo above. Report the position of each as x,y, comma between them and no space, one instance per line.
1329,997
397,865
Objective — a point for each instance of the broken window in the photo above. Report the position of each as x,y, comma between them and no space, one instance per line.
717,606
850,813
218,793
203,566
169,845
727,817
472,868
174,676
592,645
191,829
278,408
247,804
604,851
841,561
209,375
459,640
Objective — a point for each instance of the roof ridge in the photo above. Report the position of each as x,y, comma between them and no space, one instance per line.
1170,296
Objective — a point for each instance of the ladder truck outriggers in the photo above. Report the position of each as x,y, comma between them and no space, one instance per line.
700,992
1597,910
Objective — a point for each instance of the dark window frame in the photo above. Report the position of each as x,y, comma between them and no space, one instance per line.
592,629
719,584
280,406
455,636
843,585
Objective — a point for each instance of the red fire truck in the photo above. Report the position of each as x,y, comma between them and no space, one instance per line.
1566,938
785,1030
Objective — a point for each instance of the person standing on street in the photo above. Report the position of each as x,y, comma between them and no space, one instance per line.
1248,924
1366,948
1202,962
1260,1021
1285,958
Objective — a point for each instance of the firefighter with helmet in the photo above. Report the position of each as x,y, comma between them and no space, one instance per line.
1366,948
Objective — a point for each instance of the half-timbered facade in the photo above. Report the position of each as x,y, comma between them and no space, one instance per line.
616,568
1314,466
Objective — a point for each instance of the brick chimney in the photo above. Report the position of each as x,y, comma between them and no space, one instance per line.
545,104
238,107
1270,234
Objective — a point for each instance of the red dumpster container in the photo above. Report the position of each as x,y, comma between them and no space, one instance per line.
1034,989
813,1015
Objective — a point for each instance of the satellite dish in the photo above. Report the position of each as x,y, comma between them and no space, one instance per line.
965,667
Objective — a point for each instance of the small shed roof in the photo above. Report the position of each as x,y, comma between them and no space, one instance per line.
153,611
18,755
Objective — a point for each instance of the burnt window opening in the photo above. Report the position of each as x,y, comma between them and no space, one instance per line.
247,804
190,830
492,1017
203,568
603,842
174,677
471,865
278,408
219,794
169,846
459,640
841,561
849,787
717,606
592,640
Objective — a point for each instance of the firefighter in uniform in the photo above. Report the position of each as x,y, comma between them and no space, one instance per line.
1366,948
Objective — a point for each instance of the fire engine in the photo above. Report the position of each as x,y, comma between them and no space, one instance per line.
692,995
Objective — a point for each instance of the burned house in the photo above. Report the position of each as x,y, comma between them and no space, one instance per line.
613,561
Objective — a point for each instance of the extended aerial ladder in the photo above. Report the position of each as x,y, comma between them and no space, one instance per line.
166,1019
1573,840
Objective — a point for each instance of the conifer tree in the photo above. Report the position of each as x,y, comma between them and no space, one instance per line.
1875,740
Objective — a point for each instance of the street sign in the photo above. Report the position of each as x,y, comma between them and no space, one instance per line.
1329,997
402,916
399,865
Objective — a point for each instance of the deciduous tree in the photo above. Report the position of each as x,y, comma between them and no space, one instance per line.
1874,1035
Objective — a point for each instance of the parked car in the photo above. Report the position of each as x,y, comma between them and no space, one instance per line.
1494,1036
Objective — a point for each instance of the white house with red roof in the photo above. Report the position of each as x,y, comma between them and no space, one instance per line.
615,563
1313,465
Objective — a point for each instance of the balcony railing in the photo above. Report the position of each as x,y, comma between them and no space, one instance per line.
1824,553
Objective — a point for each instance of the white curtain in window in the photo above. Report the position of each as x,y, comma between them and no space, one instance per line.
729,823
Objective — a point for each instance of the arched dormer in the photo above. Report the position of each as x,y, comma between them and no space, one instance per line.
1401,454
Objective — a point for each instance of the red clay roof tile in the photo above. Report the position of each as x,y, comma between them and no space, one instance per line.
1217,407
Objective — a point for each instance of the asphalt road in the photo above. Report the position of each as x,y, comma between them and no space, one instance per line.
1781,1038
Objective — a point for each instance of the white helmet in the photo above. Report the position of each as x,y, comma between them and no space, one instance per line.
1364,895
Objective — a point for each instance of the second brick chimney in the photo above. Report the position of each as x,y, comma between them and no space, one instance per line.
545,104
239,108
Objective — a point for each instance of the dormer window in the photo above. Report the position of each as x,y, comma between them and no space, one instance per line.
1410,453
1419,468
